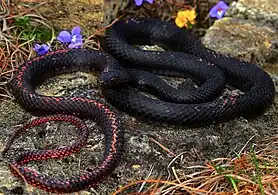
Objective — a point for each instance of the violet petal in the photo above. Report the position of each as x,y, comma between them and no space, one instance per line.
149,1
64,37
76,30
138,2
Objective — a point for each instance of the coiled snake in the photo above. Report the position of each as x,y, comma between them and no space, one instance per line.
190,58
121,84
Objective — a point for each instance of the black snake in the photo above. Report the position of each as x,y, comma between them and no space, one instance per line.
121,84
185,56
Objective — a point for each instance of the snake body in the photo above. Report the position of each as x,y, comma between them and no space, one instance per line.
34,72
120,85
184,54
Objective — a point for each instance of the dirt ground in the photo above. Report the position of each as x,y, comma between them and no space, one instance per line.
142,153
145,144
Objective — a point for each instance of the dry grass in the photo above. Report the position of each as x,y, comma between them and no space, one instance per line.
16,48
252,172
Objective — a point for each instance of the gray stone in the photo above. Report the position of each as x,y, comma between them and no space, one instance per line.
262,11
246,39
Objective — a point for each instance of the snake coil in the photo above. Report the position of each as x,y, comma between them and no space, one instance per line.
34,72
185,56
121,85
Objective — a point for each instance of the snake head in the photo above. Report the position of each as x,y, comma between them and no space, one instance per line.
113,77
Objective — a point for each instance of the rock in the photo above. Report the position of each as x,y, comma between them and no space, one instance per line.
262,11
244,39
248,39
248,31
63,83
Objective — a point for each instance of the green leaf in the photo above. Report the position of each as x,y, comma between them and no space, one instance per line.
23,22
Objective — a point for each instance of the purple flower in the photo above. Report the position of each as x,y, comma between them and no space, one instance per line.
140,2
74,39
41,49
64,37
219,10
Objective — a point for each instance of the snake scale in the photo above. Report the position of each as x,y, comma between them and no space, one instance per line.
190,57
124,73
